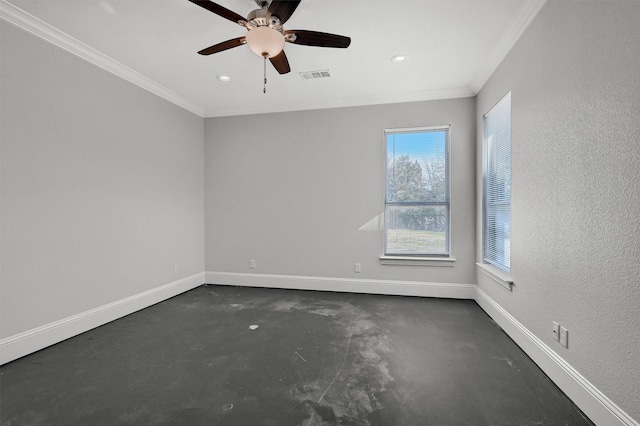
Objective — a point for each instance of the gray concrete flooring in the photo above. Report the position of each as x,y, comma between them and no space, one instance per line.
315,358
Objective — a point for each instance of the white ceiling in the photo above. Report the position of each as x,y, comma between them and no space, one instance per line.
453,45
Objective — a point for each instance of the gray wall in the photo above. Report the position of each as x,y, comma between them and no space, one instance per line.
292,190
101,186
575,84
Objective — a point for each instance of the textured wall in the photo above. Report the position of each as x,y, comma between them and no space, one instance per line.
101,186
292,190
576,198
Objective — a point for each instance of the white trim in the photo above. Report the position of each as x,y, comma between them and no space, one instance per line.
35,26
495,274
400,130
19,345
30,23
350,285
596,405
487,69
365,100
418,261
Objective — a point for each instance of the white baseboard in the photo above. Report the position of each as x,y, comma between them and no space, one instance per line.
600,409
350,285
33,340
597,406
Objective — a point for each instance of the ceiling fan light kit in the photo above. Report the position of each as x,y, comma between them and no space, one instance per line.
265,41
266,36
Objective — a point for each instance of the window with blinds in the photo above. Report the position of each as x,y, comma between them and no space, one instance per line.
417,192
497,185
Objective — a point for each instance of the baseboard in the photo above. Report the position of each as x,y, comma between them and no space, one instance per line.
597,406
600,409
33,340
350,285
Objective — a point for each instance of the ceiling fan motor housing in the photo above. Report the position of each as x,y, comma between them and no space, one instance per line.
261,18
265,36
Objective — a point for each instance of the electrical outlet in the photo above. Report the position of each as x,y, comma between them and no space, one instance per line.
357,268
252,264
564,337
556,331
175,269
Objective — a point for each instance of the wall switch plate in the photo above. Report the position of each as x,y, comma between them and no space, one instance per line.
252,264
357,268
556,331
564,337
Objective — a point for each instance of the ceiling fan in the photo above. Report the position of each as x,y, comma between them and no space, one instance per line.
266,36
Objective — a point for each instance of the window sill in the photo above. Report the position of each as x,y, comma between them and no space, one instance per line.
418,261
497,275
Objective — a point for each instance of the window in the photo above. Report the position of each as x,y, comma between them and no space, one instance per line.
497,185
417,192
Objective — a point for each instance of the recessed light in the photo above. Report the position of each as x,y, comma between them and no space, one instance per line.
223,78
399,58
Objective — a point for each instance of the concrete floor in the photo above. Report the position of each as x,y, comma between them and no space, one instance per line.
315,359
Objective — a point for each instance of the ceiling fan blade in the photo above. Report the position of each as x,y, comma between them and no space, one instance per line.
234,42
315,38
220,11
280,63
283,9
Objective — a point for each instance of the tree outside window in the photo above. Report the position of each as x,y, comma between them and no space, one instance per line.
417,191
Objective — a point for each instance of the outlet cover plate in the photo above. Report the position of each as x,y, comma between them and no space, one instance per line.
564,337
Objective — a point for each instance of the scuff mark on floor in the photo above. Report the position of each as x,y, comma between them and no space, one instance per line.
351,394
301,357
508,361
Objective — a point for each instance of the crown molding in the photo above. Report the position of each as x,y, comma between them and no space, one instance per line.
529,12
21,19
355,101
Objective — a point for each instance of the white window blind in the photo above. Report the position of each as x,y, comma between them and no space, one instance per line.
497,185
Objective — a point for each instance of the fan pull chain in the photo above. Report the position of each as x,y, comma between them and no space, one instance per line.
264,87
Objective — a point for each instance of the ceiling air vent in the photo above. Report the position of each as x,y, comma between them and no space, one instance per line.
310,75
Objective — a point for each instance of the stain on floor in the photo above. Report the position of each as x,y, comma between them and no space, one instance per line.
314,359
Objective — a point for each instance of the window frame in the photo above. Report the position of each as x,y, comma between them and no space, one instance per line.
501,270
426,259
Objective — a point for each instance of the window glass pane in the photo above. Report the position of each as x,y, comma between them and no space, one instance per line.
498,232
417,191
497,181
416,229
417,166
